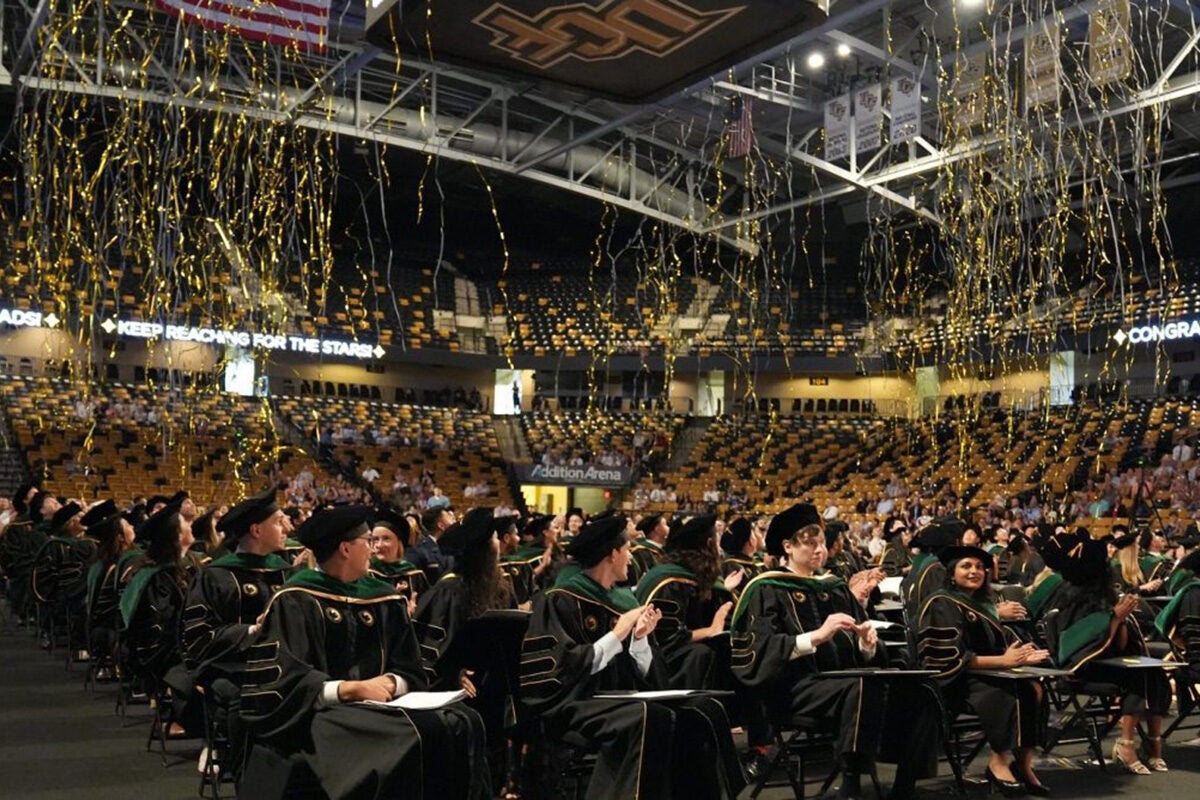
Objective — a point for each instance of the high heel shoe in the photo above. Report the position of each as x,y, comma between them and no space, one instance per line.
1136,767
1155,763
1006,788
1035,789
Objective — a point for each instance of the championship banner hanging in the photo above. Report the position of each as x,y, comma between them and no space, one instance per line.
1043,81
968,90
1110,56
633,51
837,128
905,97
868,118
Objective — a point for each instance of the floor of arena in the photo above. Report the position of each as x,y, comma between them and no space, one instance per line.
60,741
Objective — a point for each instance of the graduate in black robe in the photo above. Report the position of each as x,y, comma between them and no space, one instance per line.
791,624
647,550
19,545
473,601
588,635
1089,622
928,574
844,562
230,594
740,544
152,606
959,630
59,578
390,535
334,636
108,573
1179,621
896,560
695,603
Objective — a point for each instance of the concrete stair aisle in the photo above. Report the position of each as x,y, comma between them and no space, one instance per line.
14,469
511,438
686,441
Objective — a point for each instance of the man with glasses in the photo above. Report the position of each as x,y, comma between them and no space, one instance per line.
333,637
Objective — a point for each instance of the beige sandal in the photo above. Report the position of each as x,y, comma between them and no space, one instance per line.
1155,763
1136,767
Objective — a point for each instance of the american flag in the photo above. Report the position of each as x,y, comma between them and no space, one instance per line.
301,23
739,130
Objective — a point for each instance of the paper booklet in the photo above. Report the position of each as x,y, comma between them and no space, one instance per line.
420,701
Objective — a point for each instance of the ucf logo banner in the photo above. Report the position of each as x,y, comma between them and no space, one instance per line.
629,50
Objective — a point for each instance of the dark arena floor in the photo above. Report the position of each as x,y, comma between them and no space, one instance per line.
59,741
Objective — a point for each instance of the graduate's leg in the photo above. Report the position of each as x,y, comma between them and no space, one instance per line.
634,741
912,735
453,753
703,758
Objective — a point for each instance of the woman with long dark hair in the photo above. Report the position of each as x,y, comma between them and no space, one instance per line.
1093,623
958,631
152,605
114,553
476,587
695,602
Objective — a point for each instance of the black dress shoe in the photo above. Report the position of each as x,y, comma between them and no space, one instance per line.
1033,789
1006,788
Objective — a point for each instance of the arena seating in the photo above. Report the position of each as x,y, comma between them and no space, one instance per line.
206,442
458,446
588,434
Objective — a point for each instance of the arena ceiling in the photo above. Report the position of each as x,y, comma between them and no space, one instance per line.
657,160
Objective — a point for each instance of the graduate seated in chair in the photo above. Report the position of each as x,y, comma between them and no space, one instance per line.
790,625
227,599
333,637
152,609
60,572
465,639
1179,621
959,630
1091,623
108,573
587,635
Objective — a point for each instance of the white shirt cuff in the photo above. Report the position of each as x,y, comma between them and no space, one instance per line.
329,694
803,646
642,654
604,650
329,691
868,652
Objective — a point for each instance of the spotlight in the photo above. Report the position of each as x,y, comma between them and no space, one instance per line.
816,60
843,50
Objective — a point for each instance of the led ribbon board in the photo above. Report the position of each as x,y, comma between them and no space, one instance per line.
632,51
1167,332
136,329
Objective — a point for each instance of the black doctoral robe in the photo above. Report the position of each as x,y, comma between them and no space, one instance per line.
59,578
750,567
19,546
895,558
226,598
772,611
1078,634
951,630
319,629
403,576
646,749
674,590
105,580
645,555
928,575
1179,621
442,619
519,567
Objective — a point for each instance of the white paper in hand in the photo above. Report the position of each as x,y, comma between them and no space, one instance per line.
890,587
